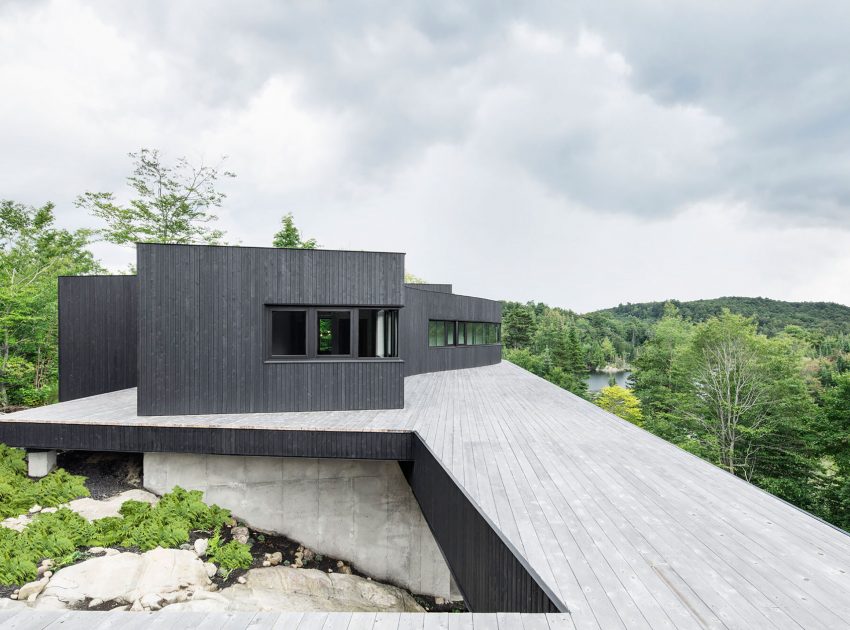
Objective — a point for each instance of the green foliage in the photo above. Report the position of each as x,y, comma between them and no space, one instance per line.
409,278
289,236
33,253
18,493
167,524
230,555
56,536
621,402
170,204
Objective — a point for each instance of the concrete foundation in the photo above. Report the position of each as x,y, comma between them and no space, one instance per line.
362,511
40,463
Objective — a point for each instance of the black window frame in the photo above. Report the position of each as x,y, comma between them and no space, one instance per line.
312,333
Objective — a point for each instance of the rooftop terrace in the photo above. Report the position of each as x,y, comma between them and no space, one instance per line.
622,529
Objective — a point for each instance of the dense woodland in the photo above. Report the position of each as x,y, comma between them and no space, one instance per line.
759,387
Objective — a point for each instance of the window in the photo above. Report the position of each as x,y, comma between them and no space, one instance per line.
334,333
289,333
436,333
442,333
377,333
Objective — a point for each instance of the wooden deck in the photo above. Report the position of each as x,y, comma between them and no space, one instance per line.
626,529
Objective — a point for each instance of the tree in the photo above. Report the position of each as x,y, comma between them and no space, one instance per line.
518,325
171,204
621,402
409,278
289,236
33,253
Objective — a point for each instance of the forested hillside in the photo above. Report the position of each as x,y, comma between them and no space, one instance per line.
759,387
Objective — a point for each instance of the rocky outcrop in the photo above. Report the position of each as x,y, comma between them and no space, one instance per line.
172,575
303,590
88,508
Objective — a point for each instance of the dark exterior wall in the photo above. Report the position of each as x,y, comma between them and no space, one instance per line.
98,334
422,305
202,336
426,286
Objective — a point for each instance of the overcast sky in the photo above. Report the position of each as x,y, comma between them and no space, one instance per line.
581,154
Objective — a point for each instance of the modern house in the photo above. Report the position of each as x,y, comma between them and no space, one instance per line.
316,394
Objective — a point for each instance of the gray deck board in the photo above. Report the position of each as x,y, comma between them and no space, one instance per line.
627,530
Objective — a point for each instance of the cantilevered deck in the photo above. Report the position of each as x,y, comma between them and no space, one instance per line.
619,527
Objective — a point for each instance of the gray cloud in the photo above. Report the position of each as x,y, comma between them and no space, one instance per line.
563,133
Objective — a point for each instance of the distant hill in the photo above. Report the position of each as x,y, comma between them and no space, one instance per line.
772,315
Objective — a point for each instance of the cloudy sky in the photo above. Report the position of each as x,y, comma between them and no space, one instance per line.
581,154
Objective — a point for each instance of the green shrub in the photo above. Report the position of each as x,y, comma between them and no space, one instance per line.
18,493
167,524
229,556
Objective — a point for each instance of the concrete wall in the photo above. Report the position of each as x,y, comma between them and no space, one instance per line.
362,511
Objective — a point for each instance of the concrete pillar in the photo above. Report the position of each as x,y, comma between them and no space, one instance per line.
39,463
362,511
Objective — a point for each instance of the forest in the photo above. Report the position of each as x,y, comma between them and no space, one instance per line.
758,387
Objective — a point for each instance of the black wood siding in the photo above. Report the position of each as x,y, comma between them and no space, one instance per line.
202,336
98,335
427,286
420,306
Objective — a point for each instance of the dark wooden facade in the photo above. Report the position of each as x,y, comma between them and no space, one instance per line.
422,305
98,334
202,335
191,330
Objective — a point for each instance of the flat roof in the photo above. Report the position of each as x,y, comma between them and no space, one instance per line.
627,530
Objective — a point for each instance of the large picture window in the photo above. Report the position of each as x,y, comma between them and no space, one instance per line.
313,333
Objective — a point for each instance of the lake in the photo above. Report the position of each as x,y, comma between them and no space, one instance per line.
598,380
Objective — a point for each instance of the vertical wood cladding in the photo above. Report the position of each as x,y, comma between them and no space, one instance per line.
427,286
420,306
202,335
98,336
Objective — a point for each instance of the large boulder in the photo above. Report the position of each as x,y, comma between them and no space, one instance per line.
302,590
93,509
125,578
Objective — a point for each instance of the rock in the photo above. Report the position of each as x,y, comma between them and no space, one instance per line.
35,509
137,606
186,547
49,510
266,563
47,562
11,604
439,601
308,555
240,534
95,602
274,558
174,597
92,509
151,601
14,596
210,569
345,570
124,578
284,589
241,579
18,523
96,550
201,546
30,591
112,552
48,574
